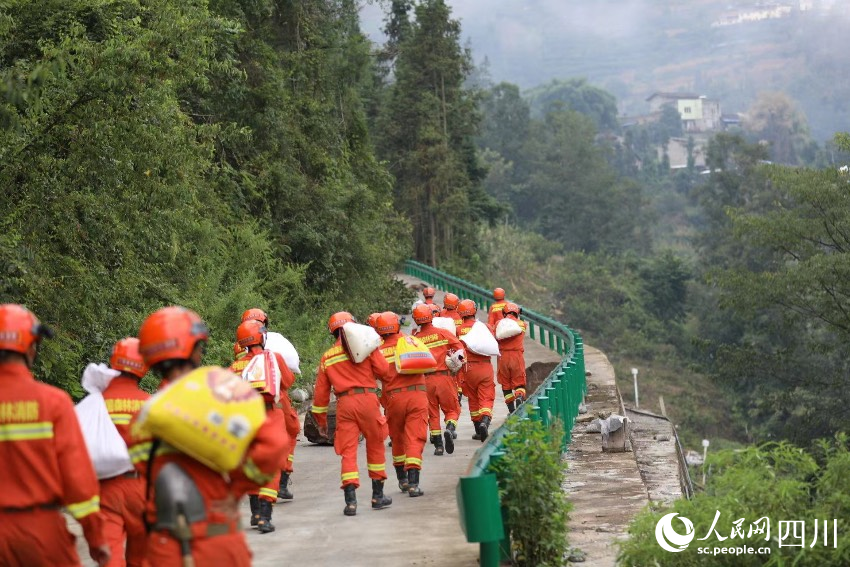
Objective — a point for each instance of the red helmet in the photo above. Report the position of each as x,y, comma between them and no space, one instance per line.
339,319
467,308
250,333
498,294
510,308
126,358
372,321
429,292
423,314
435,309
171,333
20,328
387,323
451,301
255,314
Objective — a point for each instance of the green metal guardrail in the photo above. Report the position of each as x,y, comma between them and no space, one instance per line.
557,398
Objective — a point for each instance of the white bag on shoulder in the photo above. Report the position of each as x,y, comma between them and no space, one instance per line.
105,445
360,341
507,328
445,323
480,340
276,342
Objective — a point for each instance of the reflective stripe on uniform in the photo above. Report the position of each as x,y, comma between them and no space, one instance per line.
435,432
335,360
487,411
83,509
474,413
139,452
452,421
270,492
319,409
399,458
26,431
413,461
121,418
290,458
254,473
376,467
436,344
350,476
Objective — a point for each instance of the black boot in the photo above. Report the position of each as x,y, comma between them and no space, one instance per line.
509,395
283,490
401,475
520,396
378,499
350,500
254,500
477,435
450,441
483,427
451,427
437,442
265,525
413,481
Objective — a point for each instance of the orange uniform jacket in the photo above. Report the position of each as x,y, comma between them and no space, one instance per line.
338,371
440,342
43,454
495,314
124,398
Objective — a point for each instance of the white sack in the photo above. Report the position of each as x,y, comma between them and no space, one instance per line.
276,342
507,328
480,340
455,360
106,448
360,341
445,323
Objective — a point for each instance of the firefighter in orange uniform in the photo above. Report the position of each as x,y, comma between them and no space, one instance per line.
441,384
511,373
495,315
46,465
479,385
123,497
293,423
450,303
172,341
357,411
428,293
407,409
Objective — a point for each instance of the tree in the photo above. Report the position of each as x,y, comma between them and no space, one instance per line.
576,94
777,120
428,127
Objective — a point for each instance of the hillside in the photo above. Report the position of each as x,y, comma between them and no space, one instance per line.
635,47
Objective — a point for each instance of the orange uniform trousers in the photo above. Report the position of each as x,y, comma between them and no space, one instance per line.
36,538
269,490
480,388
511,373
442,394
228,549
293,428
356,414
407,416
122,501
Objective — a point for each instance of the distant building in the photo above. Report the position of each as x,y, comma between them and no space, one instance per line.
698,113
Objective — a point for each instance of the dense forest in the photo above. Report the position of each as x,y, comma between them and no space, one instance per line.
232,153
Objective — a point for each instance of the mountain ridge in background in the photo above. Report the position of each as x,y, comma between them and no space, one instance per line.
729,51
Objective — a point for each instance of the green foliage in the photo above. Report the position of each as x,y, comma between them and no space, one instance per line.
576,94
779,481
210,155
427,129
530,476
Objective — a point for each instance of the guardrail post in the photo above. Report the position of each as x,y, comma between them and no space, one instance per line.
543,402
531,330
505,543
